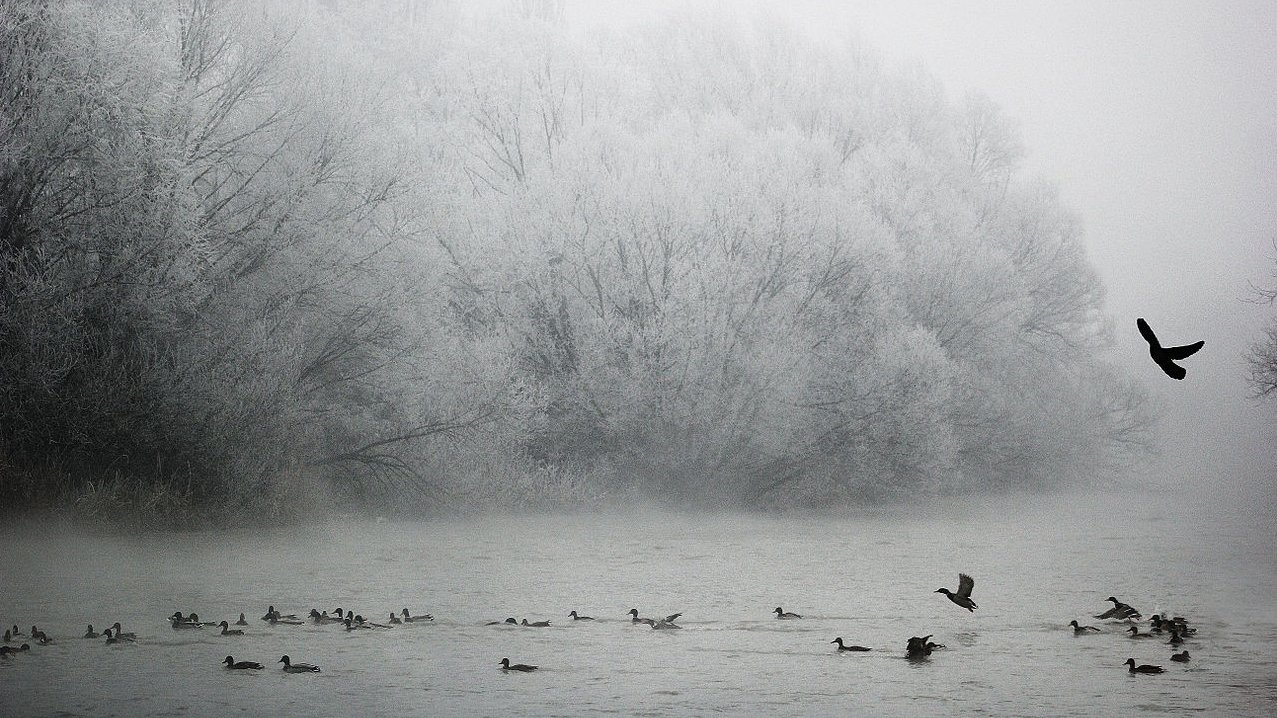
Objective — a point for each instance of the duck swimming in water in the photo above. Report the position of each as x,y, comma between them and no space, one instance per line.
634,612
290,667
394,620
242,665
1079,630
87,634
227,631
121,634
506,665
844,647
1144,668
1135,633
10,650
963,595
782,614
1120,611
241,621
573,615
1180,657
116,639
408,618
535,624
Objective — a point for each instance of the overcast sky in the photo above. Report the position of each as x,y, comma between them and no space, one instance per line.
1158,122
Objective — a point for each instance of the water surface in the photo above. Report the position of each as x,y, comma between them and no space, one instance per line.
869,577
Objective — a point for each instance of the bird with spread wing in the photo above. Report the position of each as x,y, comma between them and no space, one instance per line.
1165,357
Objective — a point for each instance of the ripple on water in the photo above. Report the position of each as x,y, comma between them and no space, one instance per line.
867,579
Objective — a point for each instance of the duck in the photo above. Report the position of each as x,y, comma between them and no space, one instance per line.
1176,639
410,618
784,615
635,618
963,595
1119,611
242,665
1144,668
843,647
575,617
87,634
270,611
10,650
179,622
918,647
394,620
241,621
1135,633
1079,630
1165,357
352,626
122,634
322,618
535,624
228,631
290,667
506,665
1180,657
118,638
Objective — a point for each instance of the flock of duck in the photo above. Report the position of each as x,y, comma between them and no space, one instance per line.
917,647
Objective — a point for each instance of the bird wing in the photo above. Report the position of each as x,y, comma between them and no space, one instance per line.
1185,351
1173,370
965,584
1147,331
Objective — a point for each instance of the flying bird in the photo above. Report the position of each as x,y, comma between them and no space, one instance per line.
962,596
1165,357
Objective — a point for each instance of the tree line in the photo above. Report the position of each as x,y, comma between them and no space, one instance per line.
253,256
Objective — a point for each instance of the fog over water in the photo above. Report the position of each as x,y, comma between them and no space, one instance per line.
866,576
681,356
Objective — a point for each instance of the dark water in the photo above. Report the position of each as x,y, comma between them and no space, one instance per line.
870,578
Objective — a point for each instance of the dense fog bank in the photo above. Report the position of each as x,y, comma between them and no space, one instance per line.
253,257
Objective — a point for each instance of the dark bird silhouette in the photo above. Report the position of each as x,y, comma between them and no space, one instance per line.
843,647
242,665
919,647
1144,668
1078,630
290,667
1165,357
1119,611
506,665
783,614
576,617
1180,657
962,596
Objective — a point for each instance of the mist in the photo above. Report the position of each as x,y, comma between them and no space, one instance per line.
548,254
550,357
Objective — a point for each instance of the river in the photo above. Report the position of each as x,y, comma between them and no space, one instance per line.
867,576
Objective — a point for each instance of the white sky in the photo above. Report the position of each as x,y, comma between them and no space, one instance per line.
1158,121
